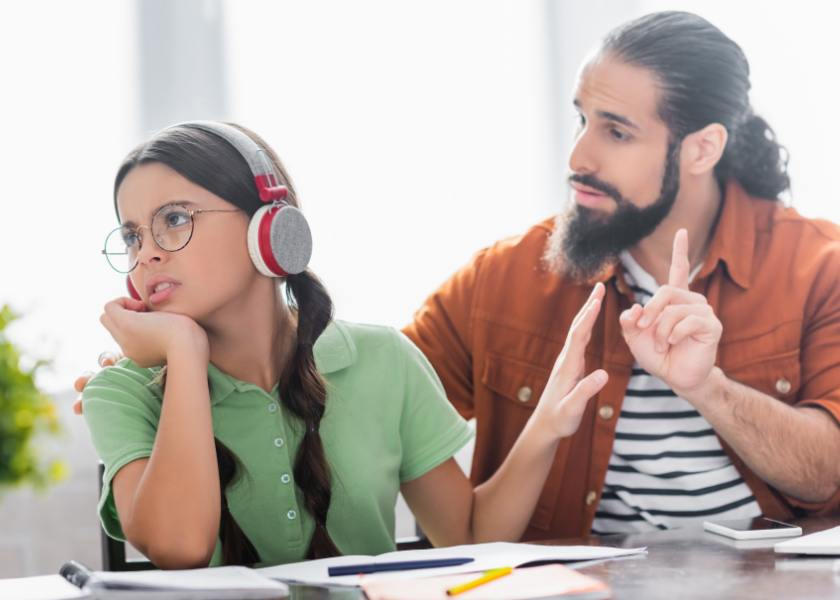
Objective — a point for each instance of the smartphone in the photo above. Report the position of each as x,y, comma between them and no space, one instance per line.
752,529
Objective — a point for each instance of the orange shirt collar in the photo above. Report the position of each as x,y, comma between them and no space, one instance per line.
733,242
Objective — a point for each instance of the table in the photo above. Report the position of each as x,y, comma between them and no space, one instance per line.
685,564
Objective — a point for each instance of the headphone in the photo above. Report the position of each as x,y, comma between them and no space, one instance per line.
279,238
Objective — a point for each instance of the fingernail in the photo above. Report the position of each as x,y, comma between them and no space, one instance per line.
103,357
643,321
671,340
600,376
658,347
88,374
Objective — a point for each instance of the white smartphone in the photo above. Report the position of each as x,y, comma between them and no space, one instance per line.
752,529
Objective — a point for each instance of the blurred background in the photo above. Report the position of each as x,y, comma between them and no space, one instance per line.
416,134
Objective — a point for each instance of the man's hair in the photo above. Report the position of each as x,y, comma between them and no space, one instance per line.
705,79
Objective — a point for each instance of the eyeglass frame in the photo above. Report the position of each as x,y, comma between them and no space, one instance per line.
197,211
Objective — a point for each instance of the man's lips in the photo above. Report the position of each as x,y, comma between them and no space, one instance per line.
586,196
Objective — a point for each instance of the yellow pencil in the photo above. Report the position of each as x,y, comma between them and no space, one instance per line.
488,576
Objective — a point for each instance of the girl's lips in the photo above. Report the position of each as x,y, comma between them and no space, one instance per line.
164,294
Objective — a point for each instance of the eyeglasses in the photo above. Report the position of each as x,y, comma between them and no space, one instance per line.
172,229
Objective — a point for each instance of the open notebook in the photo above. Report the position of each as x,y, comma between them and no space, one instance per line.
487,556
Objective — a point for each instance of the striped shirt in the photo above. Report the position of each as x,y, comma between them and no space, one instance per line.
667,467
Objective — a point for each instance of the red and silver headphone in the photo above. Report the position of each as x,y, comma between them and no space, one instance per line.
279,239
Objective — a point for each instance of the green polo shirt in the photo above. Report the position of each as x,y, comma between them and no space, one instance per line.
387,421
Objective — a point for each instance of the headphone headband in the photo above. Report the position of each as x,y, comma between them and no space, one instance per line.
264,176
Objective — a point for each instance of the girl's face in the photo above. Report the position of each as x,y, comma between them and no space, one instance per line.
212,271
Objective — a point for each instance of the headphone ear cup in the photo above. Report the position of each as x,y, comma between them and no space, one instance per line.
132,291
279,241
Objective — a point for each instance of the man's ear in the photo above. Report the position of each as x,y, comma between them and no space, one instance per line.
702,149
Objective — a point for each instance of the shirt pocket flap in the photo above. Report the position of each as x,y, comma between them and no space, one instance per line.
516,380
777,376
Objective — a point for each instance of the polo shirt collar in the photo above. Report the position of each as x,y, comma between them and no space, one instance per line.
334,350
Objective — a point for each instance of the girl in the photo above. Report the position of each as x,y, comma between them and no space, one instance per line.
243,428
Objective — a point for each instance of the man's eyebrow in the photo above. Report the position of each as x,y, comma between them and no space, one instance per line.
609,116
617,118
132,224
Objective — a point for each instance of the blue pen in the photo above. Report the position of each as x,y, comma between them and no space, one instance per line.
397,566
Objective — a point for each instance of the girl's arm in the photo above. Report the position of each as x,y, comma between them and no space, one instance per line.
443,501
169,504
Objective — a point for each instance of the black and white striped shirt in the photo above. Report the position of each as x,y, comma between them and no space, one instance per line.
667,467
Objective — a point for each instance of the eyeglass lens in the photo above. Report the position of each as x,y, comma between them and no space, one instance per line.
172,229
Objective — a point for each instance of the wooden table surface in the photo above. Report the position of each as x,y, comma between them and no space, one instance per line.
689,564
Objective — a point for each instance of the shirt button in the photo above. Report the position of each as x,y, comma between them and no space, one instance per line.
285,478
606,412
590,498
524,393
278,442
783,386
291,514
272,407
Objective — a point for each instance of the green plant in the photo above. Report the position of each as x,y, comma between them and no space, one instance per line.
25,412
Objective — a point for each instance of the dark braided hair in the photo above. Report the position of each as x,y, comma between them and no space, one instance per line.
705,79
213,163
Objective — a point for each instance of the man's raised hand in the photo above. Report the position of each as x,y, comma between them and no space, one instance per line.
675,336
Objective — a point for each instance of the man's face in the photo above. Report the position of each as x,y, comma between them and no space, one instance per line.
624,168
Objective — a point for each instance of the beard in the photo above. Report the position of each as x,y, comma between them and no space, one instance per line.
585,242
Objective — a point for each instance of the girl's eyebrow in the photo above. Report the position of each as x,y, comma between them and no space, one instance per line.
132,224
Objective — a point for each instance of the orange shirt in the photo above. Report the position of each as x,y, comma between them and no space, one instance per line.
495,328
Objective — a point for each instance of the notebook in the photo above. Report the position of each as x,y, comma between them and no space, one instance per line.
824,542
523,584
219,583
487,556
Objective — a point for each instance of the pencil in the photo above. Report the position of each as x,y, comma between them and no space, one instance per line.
488,576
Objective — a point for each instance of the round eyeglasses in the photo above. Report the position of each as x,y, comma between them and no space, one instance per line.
172,229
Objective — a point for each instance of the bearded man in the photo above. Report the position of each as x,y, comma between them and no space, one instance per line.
722,345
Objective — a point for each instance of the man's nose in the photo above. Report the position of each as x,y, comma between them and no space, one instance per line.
583,158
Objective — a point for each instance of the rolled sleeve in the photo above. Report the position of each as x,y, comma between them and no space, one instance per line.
431,431
442,331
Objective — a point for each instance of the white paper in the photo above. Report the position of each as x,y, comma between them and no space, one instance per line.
42,587
822,542
487,556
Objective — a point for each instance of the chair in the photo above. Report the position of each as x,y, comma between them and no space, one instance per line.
114,559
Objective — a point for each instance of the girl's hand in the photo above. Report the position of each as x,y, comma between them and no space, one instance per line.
561,405
148,338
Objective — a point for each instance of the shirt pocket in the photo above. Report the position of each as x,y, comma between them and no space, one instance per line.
514,380
769,363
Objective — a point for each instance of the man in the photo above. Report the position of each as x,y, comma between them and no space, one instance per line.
722,345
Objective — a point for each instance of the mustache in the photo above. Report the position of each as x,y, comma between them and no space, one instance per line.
596,184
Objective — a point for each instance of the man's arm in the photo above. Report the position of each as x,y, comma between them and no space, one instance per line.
675,337
794,449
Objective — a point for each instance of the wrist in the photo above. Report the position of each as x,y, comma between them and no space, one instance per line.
707,393
189,341
540,431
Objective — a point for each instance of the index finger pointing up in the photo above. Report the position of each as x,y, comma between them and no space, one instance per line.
680,267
